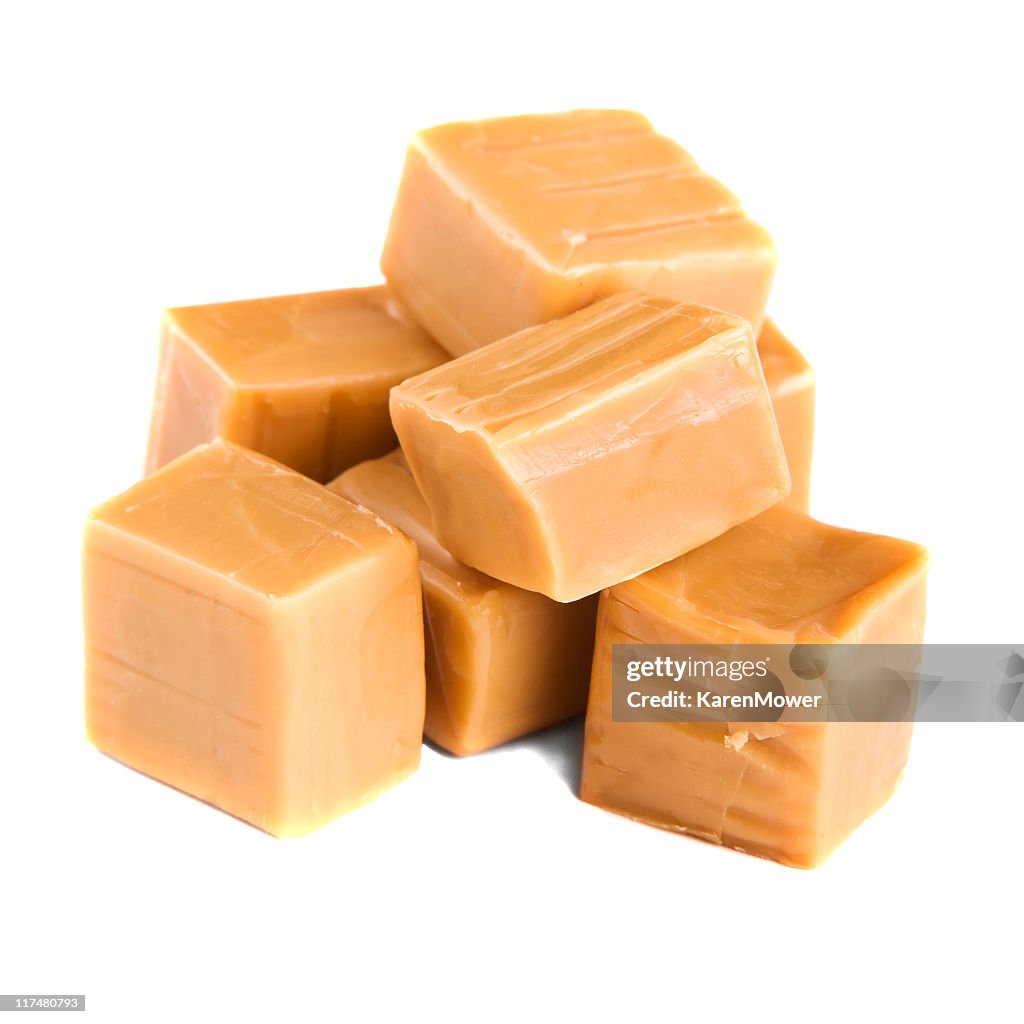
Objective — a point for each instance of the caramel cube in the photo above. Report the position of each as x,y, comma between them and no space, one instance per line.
571,456
538,216
253,639
501,662
788,791
790,381
303,379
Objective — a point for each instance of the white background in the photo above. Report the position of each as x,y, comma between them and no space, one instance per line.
163,154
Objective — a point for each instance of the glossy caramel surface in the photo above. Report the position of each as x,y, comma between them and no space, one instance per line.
242,516
790,381
565,368
787,791
253,640
585,187
501,661
354,334
782,572
540,215
301,378
574,455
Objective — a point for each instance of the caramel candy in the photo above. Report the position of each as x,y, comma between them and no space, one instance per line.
301,378
253,640
788,791
790,381
538,216
501,662
572,456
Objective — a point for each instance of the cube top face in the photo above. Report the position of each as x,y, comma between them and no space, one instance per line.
785,369
386,487
779,577
543,376
586,188
242,516
346,336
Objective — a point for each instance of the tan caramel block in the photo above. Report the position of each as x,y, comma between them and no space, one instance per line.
538,216
791,792
790,381
571,456
253,640
501,662
301,378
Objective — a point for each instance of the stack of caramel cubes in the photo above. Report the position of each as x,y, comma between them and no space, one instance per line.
432,507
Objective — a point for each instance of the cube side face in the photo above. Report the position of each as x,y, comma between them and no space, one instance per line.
894,612
179,681
386,486
480,514
728,265
665,467
865,760
790,381
502,667
318,430
532,662
191,402
456,298
757,792
355,703
537,666
459,636
863,766
794,414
